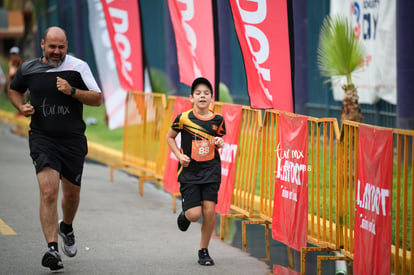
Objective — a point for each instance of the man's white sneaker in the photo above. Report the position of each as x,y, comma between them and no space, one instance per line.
69,245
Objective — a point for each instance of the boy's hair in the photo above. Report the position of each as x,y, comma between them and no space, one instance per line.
198,81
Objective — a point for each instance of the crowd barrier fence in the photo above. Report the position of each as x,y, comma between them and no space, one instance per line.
332,156
244,191
322,140
144,118
402,193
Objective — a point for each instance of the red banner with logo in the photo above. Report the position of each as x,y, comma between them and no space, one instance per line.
171,184
282,270
263,33
290,209
192,22
232,116
124,28
373,231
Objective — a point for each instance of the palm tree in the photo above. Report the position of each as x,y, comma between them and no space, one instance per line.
339,55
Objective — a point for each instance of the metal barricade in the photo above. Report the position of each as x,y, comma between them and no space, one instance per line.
144,113
163,147
403,191
244,192
322,187
403,208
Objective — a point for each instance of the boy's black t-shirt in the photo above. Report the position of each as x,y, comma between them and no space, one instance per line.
197,142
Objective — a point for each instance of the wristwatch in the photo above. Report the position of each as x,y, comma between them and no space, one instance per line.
72,91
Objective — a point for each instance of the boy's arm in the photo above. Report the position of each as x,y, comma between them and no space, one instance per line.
183,159
219,142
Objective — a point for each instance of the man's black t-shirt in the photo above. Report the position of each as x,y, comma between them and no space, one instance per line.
197,142
56,114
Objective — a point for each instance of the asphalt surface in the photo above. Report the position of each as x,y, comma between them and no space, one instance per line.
117,230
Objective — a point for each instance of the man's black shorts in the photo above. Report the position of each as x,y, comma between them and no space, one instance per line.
65,155
194,194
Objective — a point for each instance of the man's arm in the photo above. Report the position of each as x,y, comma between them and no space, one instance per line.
91,98
17,99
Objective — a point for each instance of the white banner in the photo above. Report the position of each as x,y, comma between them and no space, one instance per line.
114,95
374,22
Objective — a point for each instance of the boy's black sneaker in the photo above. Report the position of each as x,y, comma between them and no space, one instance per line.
182,222
204,258
52,260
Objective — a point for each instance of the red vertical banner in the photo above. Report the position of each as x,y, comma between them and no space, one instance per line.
171,185
232,116
263,33
290,203
282,270
192,22
373,228
124,28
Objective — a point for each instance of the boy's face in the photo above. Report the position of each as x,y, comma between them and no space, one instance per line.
201,96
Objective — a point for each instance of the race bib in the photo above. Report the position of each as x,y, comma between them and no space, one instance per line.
202,150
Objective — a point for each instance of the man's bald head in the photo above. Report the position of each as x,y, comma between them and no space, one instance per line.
54,31
54,45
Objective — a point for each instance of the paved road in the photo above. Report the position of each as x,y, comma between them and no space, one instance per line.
118,231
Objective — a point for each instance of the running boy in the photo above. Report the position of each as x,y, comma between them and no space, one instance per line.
199,172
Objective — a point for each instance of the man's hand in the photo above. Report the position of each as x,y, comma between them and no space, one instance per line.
27,110
63,86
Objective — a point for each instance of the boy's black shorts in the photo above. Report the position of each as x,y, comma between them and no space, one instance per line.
65,155
194,194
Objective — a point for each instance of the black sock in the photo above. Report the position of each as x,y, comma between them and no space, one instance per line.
66,228
53,246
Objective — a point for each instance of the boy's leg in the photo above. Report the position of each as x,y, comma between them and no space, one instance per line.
191,202
209,220
193,214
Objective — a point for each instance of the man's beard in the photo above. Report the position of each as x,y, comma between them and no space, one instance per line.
51,62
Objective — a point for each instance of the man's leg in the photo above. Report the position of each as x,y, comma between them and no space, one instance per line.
70,203
49,191
209,220
70,200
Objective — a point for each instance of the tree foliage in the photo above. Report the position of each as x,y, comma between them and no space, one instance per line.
339,52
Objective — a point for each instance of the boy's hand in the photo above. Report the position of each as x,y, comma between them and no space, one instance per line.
219,142
184,160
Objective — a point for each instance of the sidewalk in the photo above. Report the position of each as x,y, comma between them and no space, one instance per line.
118,231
